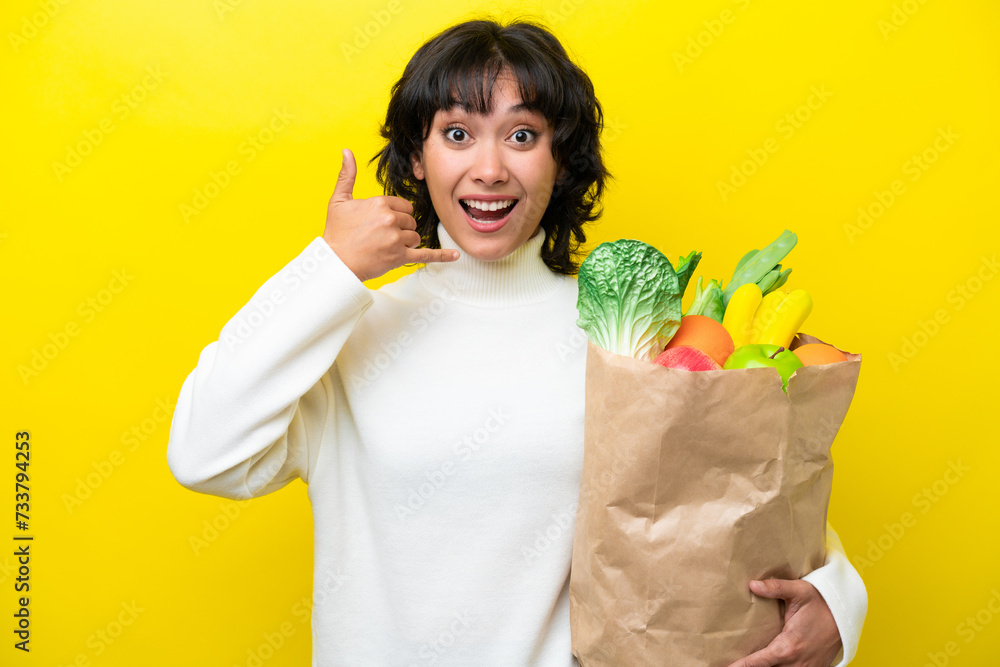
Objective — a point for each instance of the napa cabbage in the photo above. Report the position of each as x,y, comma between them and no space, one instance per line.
629,297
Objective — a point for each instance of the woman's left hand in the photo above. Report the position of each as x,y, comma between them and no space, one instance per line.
810,637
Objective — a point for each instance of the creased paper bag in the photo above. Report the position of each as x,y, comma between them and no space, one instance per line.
693,484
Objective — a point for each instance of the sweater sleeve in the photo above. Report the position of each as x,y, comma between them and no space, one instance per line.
250,415
844,592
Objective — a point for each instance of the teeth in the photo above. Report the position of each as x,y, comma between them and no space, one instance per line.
489,205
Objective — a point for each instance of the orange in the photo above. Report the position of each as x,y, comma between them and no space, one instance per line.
817,354
705,334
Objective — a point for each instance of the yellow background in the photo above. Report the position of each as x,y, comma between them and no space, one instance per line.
893,74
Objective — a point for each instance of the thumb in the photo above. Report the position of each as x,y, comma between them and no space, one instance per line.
770,588
344,189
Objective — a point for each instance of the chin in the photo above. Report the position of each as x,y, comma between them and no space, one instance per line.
483,248
489,252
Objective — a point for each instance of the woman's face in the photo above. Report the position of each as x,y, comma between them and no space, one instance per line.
506,155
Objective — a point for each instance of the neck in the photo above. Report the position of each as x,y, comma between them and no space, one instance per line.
520,277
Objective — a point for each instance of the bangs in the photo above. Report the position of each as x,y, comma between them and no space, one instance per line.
471,87
465,72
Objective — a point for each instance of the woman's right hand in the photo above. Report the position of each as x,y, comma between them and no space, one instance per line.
376,235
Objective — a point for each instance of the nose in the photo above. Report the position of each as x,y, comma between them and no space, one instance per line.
490,166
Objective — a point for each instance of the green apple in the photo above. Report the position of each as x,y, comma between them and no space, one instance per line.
763,355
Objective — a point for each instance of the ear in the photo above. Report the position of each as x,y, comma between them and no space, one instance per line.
561,178
418,166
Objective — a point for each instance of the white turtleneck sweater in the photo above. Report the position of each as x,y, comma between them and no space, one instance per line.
438,422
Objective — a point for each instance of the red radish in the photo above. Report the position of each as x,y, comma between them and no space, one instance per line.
686,357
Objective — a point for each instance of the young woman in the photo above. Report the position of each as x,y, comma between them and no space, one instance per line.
438,421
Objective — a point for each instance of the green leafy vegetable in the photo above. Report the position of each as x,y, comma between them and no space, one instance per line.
762,267
779,281
708,300
629,298
685,269
746,258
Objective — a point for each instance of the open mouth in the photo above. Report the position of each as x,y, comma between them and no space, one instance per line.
488,211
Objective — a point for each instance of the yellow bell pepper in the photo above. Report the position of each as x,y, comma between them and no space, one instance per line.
738,316
765,313
788,317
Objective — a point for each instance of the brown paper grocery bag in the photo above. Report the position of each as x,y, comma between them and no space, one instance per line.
693,484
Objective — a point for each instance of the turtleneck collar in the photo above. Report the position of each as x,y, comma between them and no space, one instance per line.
519,278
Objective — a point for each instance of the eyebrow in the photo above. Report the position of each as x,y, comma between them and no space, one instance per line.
521,107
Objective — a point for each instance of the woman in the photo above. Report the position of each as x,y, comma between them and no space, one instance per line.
438,420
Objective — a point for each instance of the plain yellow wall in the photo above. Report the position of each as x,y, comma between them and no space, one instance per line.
118,115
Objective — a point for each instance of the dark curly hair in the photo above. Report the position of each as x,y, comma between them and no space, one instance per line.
460,60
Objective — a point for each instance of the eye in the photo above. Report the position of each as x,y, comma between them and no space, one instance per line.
456,135
525,136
